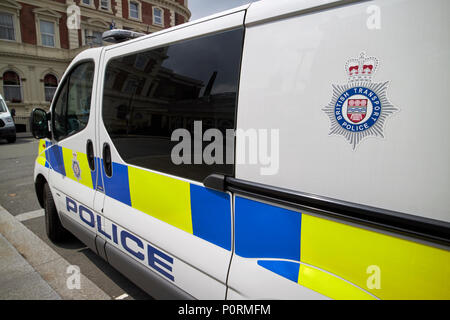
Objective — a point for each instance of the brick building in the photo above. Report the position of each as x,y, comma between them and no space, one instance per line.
36,44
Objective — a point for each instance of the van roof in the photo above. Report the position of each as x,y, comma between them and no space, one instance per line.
263,11
258,11
181,26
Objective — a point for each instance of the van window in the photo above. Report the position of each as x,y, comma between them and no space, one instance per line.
2,105
148,95
73,104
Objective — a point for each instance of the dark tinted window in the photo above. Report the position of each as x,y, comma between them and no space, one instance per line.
73,104
150,94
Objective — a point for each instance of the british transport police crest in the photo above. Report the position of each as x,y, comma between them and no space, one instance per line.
76,167
359,109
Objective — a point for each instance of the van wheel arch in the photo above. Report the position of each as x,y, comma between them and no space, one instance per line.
39,187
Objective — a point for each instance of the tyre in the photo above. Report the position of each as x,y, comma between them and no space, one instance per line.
53,227
11,139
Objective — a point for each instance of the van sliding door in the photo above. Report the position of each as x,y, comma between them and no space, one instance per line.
160,96
336,213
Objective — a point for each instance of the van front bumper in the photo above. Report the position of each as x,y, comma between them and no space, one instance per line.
7,132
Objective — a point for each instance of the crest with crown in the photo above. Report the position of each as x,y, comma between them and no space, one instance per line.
76,166
361,69
359,89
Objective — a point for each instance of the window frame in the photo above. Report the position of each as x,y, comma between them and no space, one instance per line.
161,17
47,34
46,87
90,5
139,8
47,17
7,27
90,33
100,6
65,80
90,26
15,12
20,86
99,44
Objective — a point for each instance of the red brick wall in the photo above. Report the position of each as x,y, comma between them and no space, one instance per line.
113,6
63,31
166,18
147,13
125,9
179,19
80,39
27,24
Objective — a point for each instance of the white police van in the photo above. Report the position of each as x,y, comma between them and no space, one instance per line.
7,126
356,206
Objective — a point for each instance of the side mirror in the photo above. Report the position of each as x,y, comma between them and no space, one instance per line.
39,124
13,112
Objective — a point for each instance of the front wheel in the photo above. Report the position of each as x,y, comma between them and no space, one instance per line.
53,227
11,139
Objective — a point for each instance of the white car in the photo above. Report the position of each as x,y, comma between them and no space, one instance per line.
280,150
7,126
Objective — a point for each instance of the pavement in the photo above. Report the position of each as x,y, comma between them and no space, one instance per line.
18,279
31,270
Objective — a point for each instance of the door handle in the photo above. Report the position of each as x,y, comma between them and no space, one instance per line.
90,154
107,163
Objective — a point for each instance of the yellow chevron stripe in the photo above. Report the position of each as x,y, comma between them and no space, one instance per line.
408,270
162,197
41,158
329,285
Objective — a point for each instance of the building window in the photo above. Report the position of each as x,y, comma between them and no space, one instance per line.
50,85
87,3
104,5
47,33
157,16
12,87
93,38
97,38
7,26
134,10
152,93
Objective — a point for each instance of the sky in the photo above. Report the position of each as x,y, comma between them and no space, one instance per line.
202,8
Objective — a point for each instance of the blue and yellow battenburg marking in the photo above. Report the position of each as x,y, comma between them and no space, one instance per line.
319,253
194,209
286,242
62,160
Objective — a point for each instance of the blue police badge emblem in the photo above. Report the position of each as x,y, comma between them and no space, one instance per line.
359,109
76,167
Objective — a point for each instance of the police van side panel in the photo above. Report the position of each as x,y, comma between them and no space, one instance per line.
158,214
359,208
